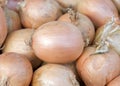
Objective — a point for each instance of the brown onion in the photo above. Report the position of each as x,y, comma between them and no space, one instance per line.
57,42
115,82
37,12
98,69
54,75
82,22
18,41
117,4
99,11
13,20
15,70
3,27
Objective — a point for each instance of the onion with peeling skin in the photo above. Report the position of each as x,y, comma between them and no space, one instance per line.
83,23
54,75
57,42
99,11
37,12
13,20
98,69
18,41
15,70
3,27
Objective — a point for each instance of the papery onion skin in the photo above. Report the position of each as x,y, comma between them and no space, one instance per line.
19,42
3,27
54,75
35,13
57,42
117,4
13,20
98,69
99,11
15,70
83,23
115,82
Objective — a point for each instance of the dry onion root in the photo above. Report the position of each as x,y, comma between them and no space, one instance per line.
83,23
54,75
57,42
34,13
19,42
98,69
15,70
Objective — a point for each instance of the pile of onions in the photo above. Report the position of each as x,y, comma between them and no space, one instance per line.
37,12
15,70
115,82
99,11
19,42
98,69
117,4
83,23
12,19
108,36
57,42
54,75
3,27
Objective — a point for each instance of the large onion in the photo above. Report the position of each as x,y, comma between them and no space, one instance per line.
82,22
18,41
57,42
15,70
98,69
117,4
99,11
37,12
54,75
12,19
3,27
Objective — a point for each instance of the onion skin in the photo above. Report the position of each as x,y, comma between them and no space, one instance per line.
115,82
117,4
43,11
13,20
18,41
57,42
15,70
3,27
83,23
54,75
99,11
98,69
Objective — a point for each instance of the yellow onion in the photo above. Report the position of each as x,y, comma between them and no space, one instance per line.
99,11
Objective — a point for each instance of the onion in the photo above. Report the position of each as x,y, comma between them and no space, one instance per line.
13,20
3,3
54,75
99,11
3,27
13,4
117,4
68,3
98,69
115,82
15,70
37,12
108,36
18,41
57,42
82,22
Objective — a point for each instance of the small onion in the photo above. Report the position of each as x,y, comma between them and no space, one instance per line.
3,27
115,82
13,20
82,22
99,11
117,4
57,42
15,70
18,41
37,12
54,75
98,69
